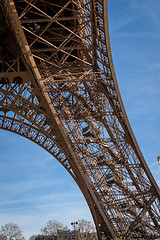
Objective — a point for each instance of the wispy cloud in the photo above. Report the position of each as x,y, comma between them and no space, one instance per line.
149,8
31,220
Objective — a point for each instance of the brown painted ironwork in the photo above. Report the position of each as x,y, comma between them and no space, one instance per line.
58,88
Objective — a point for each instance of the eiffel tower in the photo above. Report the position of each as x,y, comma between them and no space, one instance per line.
58,88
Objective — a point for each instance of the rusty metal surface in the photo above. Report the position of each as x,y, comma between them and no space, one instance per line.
59,89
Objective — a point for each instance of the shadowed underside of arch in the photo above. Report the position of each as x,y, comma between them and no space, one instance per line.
58,88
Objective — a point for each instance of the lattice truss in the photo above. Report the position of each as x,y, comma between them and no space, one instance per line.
68,43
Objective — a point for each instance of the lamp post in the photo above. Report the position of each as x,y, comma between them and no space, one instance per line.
158,158
74,225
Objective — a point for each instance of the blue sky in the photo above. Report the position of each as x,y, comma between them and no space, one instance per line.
34,187
135,41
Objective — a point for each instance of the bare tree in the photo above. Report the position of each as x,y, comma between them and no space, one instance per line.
85,226
86,230
33,237
2,237
11,231
51,228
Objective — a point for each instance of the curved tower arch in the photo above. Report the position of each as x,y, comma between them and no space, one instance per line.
23,129
20,116
57,83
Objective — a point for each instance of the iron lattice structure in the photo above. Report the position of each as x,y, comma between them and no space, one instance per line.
58,88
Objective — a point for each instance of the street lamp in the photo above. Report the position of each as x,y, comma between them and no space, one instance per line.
74,225
158,158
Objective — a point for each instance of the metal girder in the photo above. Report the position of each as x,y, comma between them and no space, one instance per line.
61,91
